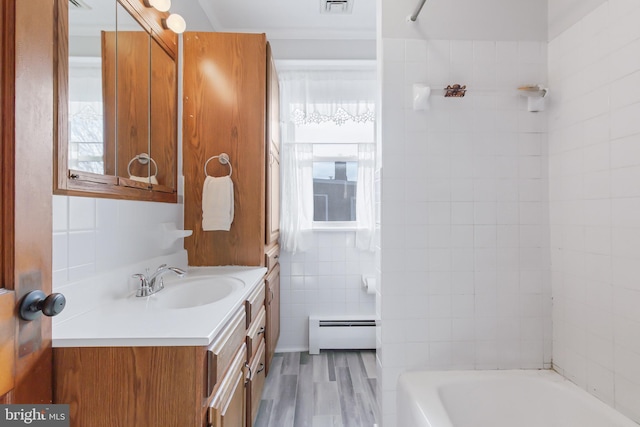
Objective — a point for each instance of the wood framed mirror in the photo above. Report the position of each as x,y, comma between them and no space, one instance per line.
116,87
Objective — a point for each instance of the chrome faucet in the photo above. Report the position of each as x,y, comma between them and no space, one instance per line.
150,284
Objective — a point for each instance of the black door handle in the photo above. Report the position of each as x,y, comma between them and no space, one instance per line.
36,302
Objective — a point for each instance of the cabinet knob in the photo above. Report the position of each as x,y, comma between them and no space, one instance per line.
36,302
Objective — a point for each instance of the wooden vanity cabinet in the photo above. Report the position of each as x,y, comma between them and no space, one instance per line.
130,386
177,386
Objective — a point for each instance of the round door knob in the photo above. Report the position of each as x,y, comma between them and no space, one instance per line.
36,302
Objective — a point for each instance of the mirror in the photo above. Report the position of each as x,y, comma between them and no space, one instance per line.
164,115
117,121
129,105
87,127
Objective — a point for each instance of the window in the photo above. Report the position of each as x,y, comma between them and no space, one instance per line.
335,183
334,169
328,155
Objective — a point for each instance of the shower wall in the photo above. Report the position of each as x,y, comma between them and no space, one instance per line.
464,230
594,189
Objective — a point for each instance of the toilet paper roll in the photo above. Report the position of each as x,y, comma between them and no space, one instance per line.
369,284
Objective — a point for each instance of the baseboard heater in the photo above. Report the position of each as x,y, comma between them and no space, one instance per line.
341,332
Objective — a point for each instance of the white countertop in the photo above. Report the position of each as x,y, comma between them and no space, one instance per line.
130,321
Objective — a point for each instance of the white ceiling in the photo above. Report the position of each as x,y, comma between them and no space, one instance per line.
282,19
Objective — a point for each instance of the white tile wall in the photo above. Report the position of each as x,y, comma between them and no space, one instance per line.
594,171
324,280
92,236
464,254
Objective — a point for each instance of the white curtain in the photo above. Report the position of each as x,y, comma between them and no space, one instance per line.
365,203
320,96
296,220
314,96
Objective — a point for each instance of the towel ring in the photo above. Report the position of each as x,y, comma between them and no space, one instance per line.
143,158
223,159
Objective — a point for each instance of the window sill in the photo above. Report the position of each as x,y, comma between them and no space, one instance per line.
337,226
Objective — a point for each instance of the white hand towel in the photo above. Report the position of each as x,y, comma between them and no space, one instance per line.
217,203
153,180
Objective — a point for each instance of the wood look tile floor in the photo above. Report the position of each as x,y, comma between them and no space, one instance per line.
332,389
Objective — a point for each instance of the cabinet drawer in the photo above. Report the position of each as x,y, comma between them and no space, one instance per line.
221,352
257,378
255,333
228,406
253,303
272,257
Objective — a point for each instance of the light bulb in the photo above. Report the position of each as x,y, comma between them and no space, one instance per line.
161,5
175,23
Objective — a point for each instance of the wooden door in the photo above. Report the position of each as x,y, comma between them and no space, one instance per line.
26,110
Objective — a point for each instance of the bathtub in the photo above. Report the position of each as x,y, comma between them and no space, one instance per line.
499,399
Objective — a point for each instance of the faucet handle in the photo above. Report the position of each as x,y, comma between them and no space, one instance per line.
160,284
143,277
143,290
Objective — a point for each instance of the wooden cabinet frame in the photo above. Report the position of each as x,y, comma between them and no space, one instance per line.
78,183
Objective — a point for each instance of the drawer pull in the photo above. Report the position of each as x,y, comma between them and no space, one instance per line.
249,377
260,331
261,368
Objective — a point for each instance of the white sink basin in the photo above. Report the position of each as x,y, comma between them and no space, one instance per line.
194,292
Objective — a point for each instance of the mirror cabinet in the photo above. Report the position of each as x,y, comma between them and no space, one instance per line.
117,101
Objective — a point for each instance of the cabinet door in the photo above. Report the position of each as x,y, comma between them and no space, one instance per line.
256,384
228,407
273,313
273,198
273,101
272,152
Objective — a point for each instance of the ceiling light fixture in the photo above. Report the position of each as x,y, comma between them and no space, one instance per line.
161,5
175,23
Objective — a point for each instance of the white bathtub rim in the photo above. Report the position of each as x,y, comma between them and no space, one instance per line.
418,399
